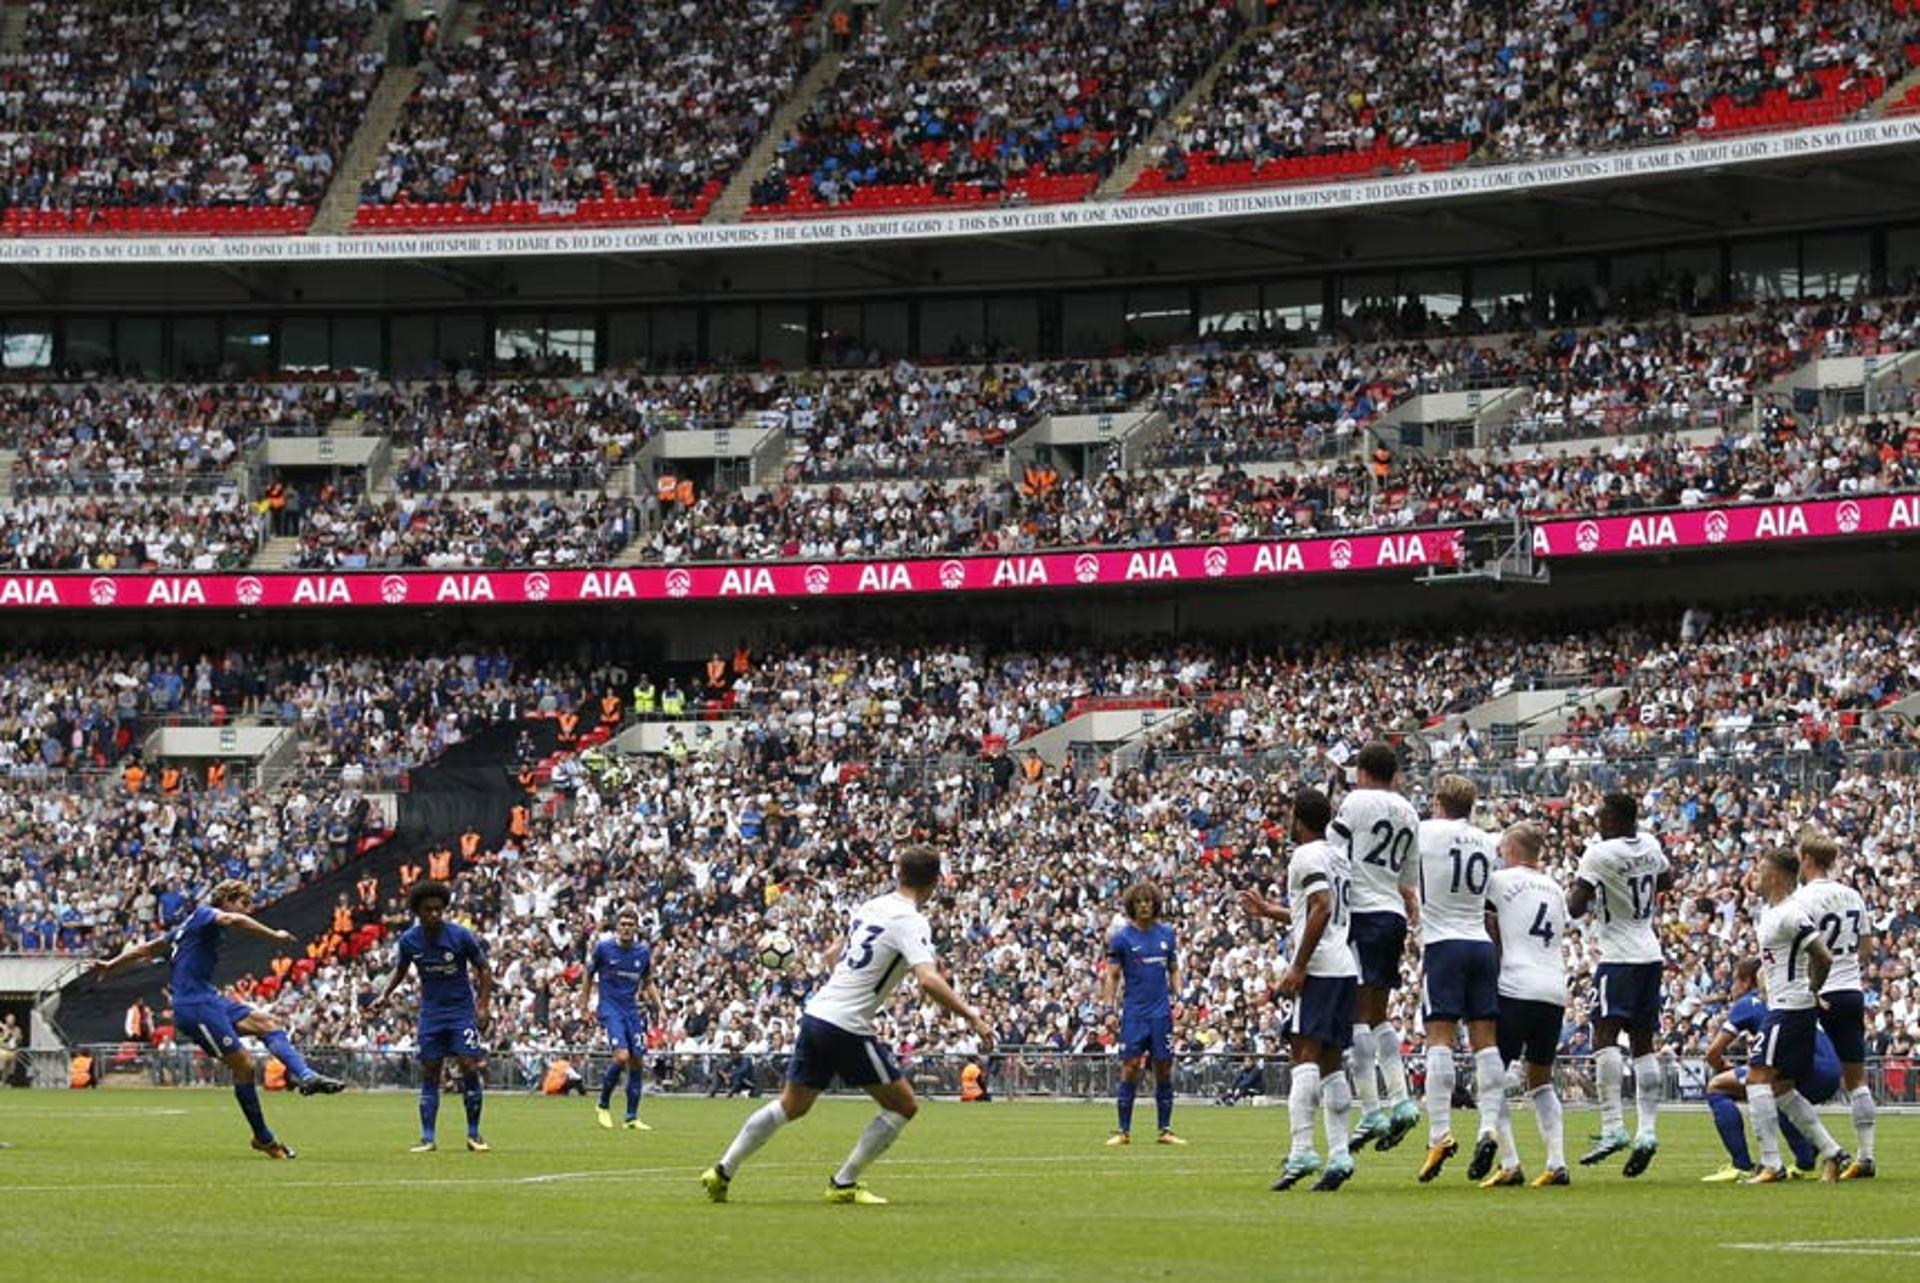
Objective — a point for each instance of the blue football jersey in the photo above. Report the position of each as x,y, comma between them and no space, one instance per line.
1749,1014
446,992
621,970
196,950
1144,958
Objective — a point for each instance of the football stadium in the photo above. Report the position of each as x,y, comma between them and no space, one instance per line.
959,639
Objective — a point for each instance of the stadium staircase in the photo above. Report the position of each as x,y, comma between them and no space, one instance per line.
738,193
472,786
13,29
276,552
7,459
1136,161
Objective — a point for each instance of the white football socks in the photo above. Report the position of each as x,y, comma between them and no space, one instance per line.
1489,1088
1303,1102
1766,1122
1860,1102
880,1132
1546,1112
1649,1086
1610,1070
1392,1067
1365,1085
1337,1097
1440,1076
759,1128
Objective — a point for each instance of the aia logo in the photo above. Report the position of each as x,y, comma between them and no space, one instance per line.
1847,517
818,578
1586,536
1341,554
1216,562
538,586
953,575
249,591
103,592
1086,568
393,589
1716,527
679,583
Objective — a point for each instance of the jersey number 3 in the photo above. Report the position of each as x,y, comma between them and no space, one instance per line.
864,944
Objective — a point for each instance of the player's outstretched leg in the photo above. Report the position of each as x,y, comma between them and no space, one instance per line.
794,1101
473,1095
264,1026
1833,1159
603,1114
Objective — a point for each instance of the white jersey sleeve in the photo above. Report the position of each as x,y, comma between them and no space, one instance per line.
1457,859
1785,930
1625,876
1378,831
1532,912
1318,868
887,937
1840,915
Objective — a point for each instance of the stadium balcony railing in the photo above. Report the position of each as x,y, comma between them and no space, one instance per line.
438,481
125,482
1013,1071
603,211
904,198
160,220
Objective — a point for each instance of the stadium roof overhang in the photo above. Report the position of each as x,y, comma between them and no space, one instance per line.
1855,175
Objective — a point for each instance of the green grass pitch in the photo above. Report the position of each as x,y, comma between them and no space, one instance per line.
160,1185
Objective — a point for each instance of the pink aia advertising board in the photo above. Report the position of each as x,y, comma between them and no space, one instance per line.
1410,550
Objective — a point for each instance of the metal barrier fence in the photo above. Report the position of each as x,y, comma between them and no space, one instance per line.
1027,1073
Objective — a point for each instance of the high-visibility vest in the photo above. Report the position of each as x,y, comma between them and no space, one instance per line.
666,487
519,823
469,845
683,493
369,890
568,721
169,780
971,1087
716,672
342,919
409,874
216,776
643,698
741,661
609,709
440,865
134,777
554,1083
276,1075
80,1071
674,702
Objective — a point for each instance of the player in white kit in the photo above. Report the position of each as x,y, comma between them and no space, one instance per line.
1797,963
1840,915
887,938
1378,831
1622,877
1460,973
1319,985
1527,911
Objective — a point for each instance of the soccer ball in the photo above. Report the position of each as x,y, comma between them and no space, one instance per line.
776,950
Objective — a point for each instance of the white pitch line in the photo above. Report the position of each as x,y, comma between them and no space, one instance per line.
1901,1247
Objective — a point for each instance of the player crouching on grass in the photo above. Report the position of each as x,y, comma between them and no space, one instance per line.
887,937
1141,952
215,1021
453,1009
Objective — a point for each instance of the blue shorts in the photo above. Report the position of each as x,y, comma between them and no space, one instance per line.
1845,1020
1379,942
1628,992
458,1038
211,1024
1324,1010
825,1051
1786,1044
1149,1036
1460,980
1530,1030
626,1031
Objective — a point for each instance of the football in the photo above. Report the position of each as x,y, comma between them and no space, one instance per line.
776,950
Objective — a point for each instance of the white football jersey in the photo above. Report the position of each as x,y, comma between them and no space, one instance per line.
1318,867
1532,911
1456,861
1785,930
1841,917
1625,876
887,936
1378,830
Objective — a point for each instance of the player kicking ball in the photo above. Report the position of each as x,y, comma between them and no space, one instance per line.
456,988
621,965
214,1021
887,938
1141,952
1321,983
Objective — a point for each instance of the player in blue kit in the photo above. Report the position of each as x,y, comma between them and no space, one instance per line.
1141,951
453,1007
214,1021
621,965
1745,1020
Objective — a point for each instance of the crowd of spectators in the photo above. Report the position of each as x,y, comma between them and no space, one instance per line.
1344,80
1671,70
452,532
978,99
186,103
218,532
560,102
